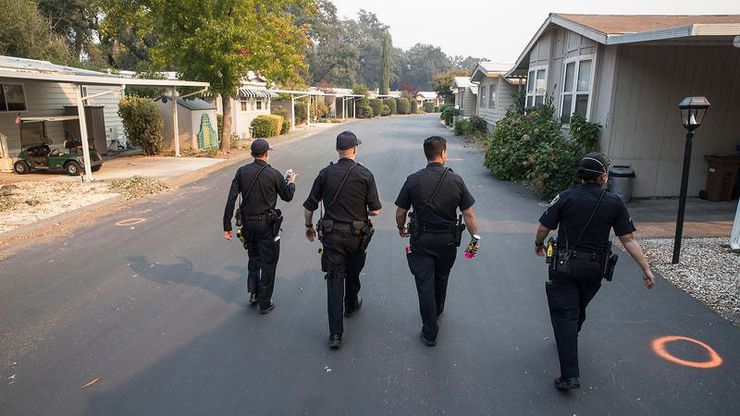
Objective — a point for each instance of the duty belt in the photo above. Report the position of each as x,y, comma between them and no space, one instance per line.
432,230
260,217
584,255
342,226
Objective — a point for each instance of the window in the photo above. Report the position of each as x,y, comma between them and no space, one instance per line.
12,97
536,87
482,95
492,96
259,104
243,104
576,88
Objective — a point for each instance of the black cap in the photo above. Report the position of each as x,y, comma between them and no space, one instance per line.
594,163
260,146
347,140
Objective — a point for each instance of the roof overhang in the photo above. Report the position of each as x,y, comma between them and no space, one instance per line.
693,32
98,80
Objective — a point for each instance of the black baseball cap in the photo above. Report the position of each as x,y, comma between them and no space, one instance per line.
260,146
347,140
594,163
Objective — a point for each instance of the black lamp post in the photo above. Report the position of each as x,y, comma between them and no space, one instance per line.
693,110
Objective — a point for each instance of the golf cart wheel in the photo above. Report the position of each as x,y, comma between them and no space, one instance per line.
96,168
73,168
21,167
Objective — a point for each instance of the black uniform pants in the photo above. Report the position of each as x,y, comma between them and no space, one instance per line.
342,261
567,297
430,261
263,252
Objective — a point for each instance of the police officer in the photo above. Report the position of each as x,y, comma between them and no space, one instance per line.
435,193
259,185
584,217
349,195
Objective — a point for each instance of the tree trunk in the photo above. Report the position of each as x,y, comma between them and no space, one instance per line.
226,134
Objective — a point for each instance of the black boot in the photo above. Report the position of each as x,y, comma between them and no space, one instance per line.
565,384
335,342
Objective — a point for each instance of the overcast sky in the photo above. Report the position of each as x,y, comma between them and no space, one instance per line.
500,30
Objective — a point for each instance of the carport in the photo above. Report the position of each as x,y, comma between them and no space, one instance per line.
89,78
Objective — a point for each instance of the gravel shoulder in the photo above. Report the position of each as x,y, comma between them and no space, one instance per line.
709,271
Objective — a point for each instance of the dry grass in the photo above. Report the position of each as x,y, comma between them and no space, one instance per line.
137,187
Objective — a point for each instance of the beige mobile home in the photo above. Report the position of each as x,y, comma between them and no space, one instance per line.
495,92
629,73
465,95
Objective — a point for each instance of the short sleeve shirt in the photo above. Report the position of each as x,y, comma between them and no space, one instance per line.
442,211
358,195
569,213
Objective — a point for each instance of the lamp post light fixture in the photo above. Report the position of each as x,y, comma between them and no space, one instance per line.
693,110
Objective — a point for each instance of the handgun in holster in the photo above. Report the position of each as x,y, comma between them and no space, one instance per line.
610,263
459,228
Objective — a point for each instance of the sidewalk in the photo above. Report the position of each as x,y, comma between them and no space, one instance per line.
657,218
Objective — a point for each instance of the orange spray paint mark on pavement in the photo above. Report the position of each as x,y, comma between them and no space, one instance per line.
659,347
130,222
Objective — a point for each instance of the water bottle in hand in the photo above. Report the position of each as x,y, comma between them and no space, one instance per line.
472,249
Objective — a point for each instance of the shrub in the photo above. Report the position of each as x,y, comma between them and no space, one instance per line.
266,125
143,123
404,106
478,124
532,148
391,103
449,112
377,105
428,107
437,109
319,109
463,127
363,109
386,111
301,113
585,133
413,107
284,114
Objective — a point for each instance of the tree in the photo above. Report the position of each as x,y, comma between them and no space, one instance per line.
442,82
220,41
74,20
25,33
424,61
126,34
385,66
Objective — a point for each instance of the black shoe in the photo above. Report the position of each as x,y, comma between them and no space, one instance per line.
335,342
439,312
253,299
353,312
428,342
565,384
268,309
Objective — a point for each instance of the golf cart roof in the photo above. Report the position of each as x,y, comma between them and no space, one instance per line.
41,119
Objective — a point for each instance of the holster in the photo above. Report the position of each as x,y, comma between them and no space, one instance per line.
323,227
238,217
610,263
275,221
459,228
366,231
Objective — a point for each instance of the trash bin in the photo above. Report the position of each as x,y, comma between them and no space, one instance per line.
620,182
721,176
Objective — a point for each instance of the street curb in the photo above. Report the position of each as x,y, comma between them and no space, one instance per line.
67,222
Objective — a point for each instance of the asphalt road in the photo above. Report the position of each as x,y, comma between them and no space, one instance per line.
157,312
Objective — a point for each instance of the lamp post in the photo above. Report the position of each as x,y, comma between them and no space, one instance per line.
693,110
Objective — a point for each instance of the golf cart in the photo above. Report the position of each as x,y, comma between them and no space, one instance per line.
37,155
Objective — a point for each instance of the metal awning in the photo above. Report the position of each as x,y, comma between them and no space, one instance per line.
255,93
47,118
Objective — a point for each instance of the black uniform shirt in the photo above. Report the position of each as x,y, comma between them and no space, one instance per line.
358,195
452,194
264,193
570,211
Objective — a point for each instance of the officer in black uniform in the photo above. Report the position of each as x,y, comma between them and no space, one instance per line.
349,195
584,217
435,193
259,185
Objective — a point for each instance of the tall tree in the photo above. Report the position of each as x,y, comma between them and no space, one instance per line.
442,82
220,41
126,34
74,20
25,33
385,66
424,61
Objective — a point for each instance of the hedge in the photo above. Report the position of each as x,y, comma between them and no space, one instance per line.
428,107
143,123
386,110
284,114
391,103
363,109
266,125
377,105
448,113
404,106
414,106
301,113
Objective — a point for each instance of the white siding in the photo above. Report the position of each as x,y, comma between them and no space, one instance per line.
486,112
243,119
645,128
42,98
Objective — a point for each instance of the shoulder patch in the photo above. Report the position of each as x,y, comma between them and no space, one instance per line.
555,200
